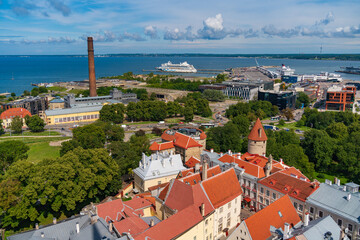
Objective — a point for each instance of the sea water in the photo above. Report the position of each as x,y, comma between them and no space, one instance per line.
17,73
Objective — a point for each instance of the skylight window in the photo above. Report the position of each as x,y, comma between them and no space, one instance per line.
280,214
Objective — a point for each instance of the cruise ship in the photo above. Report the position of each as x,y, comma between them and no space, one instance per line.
286,71
183,67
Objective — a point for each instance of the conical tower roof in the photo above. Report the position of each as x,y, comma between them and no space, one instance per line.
257,132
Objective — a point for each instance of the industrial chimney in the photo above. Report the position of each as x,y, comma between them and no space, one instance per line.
92,79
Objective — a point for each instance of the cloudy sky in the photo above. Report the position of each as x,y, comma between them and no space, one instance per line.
186,26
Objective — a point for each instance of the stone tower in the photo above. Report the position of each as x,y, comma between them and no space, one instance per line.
257,139
92,78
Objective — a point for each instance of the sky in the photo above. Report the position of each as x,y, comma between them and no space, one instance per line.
188,26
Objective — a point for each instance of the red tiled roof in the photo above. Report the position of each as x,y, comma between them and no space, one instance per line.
110,210
157,186
184,219
174,225
196,178
222,188
250,168
137,203
180,196
295,173
259,224
184,141
12,112
133,225
163,193
257,133
161,146
292,186
192,162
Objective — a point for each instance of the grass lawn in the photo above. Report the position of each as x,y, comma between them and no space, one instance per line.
76,91
34,140
139,123
41,150
174,120
57,89
324,176
44,133
292,126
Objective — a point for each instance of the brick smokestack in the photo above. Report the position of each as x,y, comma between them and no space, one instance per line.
92,79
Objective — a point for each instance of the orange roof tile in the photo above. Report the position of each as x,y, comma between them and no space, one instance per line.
250,168
276,214
257,133
192,162
164,192
133,225
162,185
295,173
161,146
179,196
222,188
184,141
13,112
110,210
137,203
292,186
196,178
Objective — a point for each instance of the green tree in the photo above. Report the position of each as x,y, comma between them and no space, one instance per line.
68,146
188,114
221,139
302,98
13,95
16,124
35,92
202,108
35,123
243,123
112,113
287,113
26,93
281,122
319,147
89,136
11,151
213,95
2,131
153,97
337,130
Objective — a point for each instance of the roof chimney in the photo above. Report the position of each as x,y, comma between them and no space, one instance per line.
92,78
229,152
77,228
42,234
111,226
204,170
152,223
36,226
202,209
286,230
348,197
212,150
197,167
54,220
306,221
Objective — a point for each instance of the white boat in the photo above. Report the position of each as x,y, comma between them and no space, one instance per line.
181,67
286,71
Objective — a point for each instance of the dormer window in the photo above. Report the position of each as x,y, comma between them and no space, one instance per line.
259,131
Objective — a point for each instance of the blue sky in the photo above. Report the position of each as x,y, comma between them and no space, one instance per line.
187,26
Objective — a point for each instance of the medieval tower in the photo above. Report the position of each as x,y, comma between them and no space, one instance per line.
257,139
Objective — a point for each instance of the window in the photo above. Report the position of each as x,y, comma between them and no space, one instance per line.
235,210
235,200
206,222
220,224
321,214
274,196
350,227
311,210
194,237
261,199
267,202
295,205
262,190
254,185
159,182
228,222
221,209
340,222
301,207
229,205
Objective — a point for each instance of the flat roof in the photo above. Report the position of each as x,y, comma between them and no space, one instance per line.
74,110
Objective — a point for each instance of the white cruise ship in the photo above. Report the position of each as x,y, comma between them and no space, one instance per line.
181,67
286,71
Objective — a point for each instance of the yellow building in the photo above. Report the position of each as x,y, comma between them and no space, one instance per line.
73,115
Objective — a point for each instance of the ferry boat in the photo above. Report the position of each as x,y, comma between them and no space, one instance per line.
181,67
286,71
